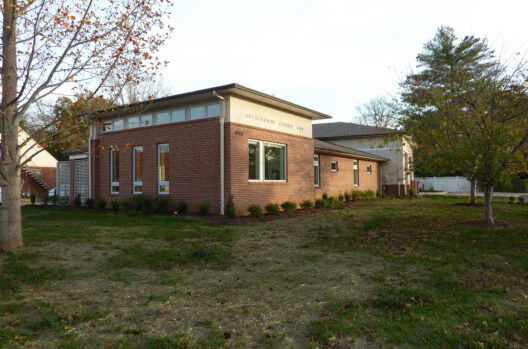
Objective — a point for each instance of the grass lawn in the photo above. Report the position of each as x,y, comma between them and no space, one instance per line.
383,273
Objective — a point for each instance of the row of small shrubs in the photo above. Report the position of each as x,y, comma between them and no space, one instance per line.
325,202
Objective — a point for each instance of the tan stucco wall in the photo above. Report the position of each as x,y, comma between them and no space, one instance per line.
394,149
42,159
253,114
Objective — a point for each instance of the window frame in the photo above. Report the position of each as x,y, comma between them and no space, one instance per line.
369,169
112,169
318,170
332,166
134,182
160,182
356,172
262,163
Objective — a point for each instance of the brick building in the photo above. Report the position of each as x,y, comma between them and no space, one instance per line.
228,140
397,177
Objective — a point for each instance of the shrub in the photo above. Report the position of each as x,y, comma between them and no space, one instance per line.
320,203
347,196
160,205
255,211
325,196
230,210
77,200
115,205
181,207
341,198
204,208
32,197
63,200
45,199
412,192
89,202
54,199
511,199
289,206
272,208
101,204
332,202
370,194
307,204
357,195
520,199
136,205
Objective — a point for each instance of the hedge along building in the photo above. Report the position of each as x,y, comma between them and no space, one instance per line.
228,140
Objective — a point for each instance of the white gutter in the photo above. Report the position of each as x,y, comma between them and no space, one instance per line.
222,146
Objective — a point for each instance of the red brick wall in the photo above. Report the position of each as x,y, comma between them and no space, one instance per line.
49,174
337,182
195,165
299,153
194,173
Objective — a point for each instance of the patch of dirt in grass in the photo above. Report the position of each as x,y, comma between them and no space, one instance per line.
273,289
486,225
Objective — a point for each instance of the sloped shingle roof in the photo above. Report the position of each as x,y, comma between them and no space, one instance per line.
331,130
325,147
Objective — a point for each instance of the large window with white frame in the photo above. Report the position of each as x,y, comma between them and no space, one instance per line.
114,171
138,170
317,173
267,161
356,173
163,168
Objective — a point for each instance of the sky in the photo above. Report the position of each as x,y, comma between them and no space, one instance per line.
331,56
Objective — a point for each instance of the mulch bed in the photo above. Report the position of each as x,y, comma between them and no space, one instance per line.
468,204
485,225
216,219
243,220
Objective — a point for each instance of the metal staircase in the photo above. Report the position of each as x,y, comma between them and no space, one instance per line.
36,177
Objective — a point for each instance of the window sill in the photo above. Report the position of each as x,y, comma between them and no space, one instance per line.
268,181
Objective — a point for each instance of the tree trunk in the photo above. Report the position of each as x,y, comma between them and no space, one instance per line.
473,191
11,219
488,203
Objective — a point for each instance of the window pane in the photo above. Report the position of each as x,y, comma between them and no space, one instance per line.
146,120
107,126
133,122
316,169
138,164
254,168
178,115
115,165
197,112
274,156
119,124
163,168
213,110
356,173
163,118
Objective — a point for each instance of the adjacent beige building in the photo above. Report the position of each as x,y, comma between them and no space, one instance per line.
396,176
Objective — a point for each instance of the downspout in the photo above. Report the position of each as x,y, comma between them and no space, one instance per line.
90,161
222,146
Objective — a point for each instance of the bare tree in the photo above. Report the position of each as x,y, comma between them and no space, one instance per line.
380,112
52,47
135,92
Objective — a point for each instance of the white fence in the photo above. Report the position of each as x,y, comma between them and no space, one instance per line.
449,184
